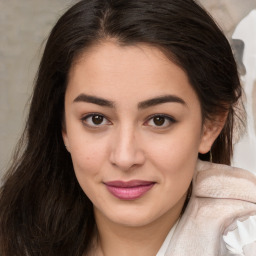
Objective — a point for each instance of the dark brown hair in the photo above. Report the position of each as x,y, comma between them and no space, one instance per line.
43,209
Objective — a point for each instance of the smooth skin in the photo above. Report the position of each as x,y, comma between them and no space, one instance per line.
131,114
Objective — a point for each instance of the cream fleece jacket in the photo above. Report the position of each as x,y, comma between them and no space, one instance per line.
221,196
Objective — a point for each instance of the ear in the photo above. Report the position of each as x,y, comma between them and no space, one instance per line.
210,132
65,138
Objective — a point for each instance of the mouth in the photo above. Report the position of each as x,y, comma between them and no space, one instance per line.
129,190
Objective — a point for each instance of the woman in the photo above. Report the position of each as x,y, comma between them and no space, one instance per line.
129,96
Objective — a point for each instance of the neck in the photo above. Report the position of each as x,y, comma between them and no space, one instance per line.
121,240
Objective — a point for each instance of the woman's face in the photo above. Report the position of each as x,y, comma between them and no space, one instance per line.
133,127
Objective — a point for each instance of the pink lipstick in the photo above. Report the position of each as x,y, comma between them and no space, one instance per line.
129,190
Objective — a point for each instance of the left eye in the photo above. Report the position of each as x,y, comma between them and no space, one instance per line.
160,121
95,120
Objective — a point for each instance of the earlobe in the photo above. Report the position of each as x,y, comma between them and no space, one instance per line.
210,132
64,134
65,139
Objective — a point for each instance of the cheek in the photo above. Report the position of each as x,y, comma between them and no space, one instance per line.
88,154
176,164
88,161
177,147
175,156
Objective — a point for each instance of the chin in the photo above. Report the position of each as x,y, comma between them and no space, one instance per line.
133,221
136,218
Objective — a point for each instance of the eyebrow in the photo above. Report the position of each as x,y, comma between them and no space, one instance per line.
95,100
160,100
142,105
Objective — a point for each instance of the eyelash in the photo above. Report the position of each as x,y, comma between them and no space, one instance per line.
166,118
84,120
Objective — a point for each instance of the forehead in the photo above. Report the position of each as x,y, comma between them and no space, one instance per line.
140,71
112,56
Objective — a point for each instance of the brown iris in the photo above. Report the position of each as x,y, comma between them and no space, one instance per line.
159,120
97,119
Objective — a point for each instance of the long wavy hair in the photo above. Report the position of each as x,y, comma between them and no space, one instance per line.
43,210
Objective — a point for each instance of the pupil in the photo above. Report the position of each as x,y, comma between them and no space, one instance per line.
159,120
97,119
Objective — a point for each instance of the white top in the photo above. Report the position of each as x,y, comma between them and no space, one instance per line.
243,235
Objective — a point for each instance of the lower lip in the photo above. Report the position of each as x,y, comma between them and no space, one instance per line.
129,193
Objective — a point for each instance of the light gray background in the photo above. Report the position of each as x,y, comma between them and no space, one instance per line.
24,26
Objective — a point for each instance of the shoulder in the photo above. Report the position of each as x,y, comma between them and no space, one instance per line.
223,197
222,181
234,190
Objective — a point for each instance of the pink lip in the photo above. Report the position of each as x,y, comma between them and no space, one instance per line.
129,190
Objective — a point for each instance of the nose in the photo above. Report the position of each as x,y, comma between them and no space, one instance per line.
126,151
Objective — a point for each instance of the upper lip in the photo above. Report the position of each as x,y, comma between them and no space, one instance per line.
128,184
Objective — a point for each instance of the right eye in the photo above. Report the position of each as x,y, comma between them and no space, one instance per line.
95,120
